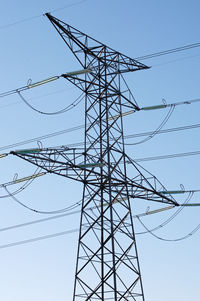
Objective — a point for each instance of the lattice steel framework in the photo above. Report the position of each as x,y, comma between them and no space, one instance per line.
107,265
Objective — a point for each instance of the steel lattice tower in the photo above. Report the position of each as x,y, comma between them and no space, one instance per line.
107,266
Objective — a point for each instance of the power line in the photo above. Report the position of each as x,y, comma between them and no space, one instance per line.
170,130
57,133
79,127
22,242
170,240
158,129
43,137
39,97
176,60
67,6
16,226
169,51
68,208
153,158
75,230
38,221
20,21
169,219
144,57
61,216
171,156
41,15
69,107
54,134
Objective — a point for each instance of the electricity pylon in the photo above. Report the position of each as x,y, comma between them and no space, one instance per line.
107,266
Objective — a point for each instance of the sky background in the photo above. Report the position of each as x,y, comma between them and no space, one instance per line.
31,49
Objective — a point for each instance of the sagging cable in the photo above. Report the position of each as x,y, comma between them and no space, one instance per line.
168,220
40,211
67,108
165,120
170,240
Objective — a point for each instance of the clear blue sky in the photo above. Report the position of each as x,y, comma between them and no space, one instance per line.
44,270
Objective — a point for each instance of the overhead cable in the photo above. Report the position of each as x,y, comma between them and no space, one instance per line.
68,208
46,219
50,135
61,132
168,220
33,222
176,60
41,15
176,129
22,242
157,130
171,156
69,107
169,51
170,240
73,230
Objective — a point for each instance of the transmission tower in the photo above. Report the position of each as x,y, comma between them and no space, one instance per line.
107,266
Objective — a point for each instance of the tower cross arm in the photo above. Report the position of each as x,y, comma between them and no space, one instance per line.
63,161
82,46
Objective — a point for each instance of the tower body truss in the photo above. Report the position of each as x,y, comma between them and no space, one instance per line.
107,266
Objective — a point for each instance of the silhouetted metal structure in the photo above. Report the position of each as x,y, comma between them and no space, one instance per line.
107,265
